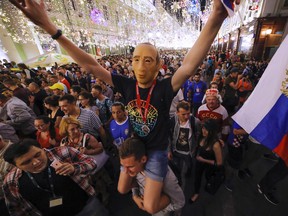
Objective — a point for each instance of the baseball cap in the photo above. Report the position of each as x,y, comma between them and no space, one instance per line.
57,86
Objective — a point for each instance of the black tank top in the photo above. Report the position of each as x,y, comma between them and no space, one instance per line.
206,153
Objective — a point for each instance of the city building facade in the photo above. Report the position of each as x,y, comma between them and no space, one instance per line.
257,29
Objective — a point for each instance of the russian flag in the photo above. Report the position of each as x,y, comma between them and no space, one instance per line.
229,5
265,114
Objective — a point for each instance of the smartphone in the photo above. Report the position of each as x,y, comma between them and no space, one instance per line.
56,164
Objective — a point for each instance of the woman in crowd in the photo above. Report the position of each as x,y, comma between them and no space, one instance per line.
87,101
53,109
87,144
47,135
209,154
73,137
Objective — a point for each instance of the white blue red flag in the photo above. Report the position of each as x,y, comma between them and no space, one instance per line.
265,114
229,5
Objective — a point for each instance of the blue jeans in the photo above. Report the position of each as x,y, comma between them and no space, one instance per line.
157,165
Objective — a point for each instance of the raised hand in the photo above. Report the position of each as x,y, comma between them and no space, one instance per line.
139,202
36,12
220,9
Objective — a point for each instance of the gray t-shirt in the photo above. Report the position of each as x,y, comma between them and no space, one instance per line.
170,187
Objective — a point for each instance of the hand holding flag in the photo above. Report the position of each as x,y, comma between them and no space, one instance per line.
229,6
265,114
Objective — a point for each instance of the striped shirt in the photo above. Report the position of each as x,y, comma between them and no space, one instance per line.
89,121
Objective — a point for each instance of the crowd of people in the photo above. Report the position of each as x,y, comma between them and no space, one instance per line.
60,106
120,121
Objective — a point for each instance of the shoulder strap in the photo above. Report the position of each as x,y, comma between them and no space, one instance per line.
192,123
107,108
172,122
86,137
171,126
105,103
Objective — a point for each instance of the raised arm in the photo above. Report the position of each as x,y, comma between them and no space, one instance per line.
199,50
32,9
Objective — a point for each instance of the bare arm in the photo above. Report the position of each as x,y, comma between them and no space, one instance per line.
32,9
218,156
163,203
218,153
239,131
125,182
197,53
94,147
235,85
57,122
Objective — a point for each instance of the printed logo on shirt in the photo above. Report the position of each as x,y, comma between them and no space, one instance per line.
182,143
142,129
207,114
126,132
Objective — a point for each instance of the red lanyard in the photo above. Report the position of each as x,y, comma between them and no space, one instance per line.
144,117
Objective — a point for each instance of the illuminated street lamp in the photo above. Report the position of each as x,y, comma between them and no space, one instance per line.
268,31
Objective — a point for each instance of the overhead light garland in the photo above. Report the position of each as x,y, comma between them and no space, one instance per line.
89,24
11,20
206,13
97,17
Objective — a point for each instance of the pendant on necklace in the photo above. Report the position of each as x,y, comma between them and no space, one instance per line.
145,129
